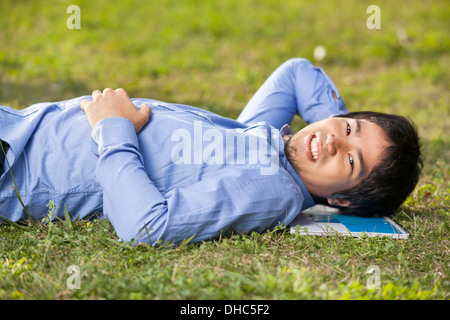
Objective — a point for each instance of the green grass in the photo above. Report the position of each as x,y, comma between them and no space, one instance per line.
215,55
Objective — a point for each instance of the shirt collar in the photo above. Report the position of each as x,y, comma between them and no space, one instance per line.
308,200
285,130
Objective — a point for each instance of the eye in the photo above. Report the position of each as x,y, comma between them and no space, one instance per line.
350,159
349,130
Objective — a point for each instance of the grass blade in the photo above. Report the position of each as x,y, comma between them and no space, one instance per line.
68,220
16,190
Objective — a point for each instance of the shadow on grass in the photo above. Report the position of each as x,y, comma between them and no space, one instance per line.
20,95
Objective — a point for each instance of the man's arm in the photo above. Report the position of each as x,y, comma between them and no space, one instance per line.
296,87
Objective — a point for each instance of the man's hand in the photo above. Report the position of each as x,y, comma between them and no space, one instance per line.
115,103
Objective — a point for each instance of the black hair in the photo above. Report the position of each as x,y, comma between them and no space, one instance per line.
395,177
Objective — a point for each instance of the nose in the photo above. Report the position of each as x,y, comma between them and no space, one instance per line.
333,143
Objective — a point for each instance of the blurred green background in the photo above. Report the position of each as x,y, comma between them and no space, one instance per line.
215,55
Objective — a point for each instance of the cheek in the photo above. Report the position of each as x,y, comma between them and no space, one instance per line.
332,168
331,178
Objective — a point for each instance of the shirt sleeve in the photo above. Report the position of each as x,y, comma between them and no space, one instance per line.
130,198
206,209
296,87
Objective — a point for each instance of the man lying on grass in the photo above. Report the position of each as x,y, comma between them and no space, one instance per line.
164,171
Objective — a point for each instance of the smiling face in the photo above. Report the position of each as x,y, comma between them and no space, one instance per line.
335,154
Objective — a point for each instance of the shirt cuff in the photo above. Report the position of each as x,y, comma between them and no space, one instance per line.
114,131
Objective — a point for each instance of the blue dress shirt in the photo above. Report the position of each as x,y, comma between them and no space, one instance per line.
188,171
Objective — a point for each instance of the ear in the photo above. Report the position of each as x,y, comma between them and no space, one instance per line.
340,202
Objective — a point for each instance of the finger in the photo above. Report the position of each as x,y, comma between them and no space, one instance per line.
143,116
121,91
145,110
107,90
84,104
96,93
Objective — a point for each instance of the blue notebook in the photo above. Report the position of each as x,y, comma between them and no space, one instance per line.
322,220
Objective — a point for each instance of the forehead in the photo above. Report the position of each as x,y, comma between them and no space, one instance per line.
371,144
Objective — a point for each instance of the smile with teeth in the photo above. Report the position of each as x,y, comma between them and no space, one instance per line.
314,149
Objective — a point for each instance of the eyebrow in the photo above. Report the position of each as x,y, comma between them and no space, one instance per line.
358,128
360,157
358,149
